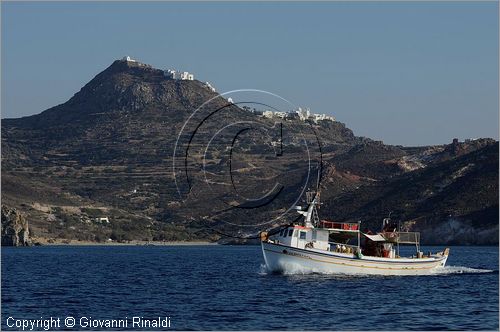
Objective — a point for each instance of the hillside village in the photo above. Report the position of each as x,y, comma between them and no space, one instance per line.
172,73
300,113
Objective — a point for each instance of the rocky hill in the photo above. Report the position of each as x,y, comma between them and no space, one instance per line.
453,201
100,167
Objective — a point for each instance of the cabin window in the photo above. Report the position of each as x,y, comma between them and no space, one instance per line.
302,235
281,233
284,233
290,232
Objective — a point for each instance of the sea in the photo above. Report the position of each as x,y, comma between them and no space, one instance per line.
228,288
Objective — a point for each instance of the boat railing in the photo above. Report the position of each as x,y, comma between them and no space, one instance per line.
343,248
402,237
342,226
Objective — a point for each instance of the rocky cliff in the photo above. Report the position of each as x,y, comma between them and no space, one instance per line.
15,230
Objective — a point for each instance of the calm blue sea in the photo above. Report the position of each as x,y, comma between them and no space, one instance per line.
227,288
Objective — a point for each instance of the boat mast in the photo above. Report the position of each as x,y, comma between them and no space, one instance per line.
359,235
311,215
397,239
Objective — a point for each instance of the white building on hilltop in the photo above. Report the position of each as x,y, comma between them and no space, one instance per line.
186,76
322,117
302,114
170,73
268,114
128,59
178,75
280,115
209,86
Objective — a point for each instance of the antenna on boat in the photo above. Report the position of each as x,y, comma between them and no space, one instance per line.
399,231
312,218
386,221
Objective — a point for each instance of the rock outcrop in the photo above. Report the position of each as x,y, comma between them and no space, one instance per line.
15,230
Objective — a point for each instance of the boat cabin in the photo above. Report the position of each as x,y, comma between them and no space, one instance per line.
331,237
303,237
345,238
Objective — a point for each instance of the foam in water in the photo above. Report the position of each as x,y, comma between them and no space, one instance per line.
263,270
458,270
290,269
299,270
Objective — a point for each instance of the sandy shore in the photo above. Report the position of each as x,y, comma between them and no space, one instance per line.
64,242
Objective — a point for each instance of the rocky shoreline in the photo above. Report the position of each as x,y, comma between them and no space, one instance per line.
16,233
65,242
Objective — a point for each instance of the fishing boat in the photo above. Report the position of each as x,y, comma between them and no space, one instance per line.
322,246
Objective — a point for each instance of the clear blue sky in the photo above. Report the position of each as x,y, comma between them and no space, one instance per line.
405,73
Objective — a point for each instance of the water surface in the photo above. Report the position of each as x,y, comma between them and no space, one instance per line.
227,288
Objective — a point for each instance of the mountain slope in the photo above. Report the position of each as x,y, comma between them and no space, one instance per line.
109,152
462,190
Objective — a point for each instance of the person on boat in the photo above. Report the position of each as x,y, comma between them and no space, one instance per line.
370,247
389,226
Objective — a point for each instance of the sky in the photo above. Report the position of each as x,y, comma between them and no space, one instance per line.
409,73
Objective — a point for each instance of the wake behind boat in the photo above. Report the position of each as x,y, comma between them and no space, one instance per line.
326,247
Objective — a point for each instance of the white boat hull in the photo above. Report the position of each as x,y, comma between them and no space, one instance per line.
281,258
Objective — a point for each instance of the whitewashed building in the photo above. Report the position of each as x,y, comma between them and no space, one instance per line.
209,86
178,75
128,59
301,114
102,220
322,117
280,115
304,113
170,73
293,115
267,114
186,76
